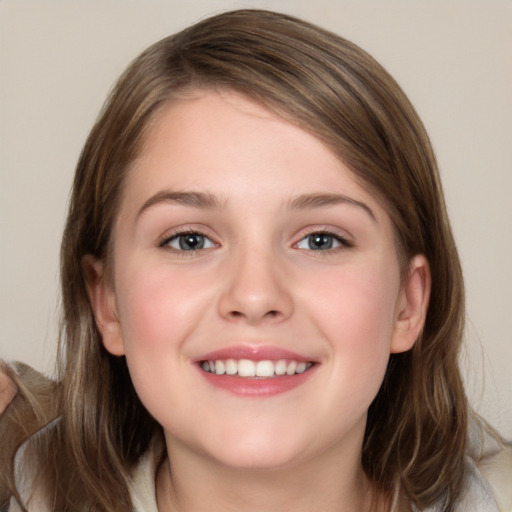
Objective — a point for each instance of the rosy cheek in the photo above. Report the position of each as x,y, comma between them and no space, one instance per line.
161,304
360,312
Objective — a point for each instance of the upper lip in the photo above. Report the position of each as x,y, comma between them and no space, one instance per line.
253,353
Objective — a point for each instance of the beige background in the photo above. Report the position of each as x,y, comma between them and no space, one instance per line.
59,59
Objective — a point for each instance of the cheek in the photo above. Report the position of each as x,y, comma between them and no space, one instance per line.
357,315
147,311
158,305
159,310
359,303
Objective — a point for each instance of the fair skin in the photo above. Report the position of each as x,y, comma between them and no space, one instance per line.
8,391
285,257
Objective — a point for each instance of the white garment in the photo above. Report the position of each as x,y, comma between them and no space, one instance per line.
488,489
481,495
142,486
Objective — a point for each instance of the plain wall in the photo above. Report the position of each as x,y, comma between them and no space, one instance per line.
454,59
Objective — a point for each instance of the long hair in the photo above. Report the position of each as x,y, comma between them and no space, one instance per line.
417,424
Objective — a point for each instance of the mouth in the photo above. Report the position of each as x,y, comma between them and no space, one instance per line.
247,368
255,371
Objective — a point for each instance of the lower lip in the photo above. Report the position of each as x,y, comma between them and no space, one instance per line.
258,387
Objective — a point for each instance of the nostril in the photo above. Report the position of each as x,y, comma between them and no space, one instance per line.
274,313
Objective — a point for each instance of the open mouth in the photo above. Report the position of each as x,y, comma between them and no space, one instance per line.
256,371
247,368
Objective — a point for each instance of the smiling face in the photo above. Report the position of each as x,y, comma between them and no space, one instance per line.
256,287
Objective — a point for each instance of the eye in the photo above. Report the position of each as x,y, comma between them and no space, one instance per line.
191,241
322,241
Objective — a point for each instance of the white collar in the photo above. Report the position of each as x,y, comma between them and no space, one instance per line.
142,484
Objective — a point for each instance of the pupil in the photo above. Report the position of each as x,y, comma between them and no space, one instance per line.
191,241
320,241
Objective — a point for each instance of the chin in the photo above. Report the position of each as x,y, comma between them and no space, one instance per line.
259,450
268,459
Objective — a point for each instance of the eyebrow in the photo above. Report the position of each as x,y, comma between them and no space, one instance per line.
206,200
306,201
202,200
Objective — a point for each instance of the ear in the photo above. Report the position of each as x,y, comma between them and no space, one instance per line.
103,303
412,305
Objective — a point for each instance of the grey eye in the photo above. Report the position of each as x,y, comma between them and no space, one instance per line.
321,242
189,242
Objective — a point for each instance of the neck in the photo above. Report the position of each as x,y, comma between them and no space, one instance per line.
197,484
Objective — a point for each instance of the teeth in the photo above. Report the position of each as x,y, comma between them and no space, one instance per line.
290,369
265,369
231,367
280,367
301,368
248,368
220,368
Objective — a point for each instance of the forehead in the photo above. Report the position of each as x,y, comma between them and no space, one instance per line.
227,144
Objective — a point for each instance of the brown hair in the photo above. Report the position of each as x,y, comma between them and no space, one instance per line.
416,430
32,406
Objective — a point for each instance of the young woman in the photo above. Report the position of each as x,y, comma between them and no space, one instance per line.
263,303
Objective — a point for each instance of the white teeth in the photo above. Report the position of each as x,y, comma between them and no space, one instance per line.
231,367
301,368
265,369
280,367
220,367
248,368
290,370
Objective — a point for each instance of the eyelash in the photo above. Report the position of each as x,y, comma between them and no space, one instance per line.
175,236
342,241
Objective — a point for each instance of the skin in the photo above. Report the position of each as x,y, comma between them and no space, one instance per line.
257,282
8,391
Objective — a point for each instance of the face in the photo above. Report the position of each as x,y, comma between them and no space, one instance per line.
256,288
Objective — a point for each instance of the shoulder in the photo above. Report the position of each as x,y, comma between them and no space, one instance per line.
496,468
488,473
492,458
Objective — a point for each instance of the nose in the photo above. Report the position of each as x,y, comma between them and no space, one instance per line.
256,289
